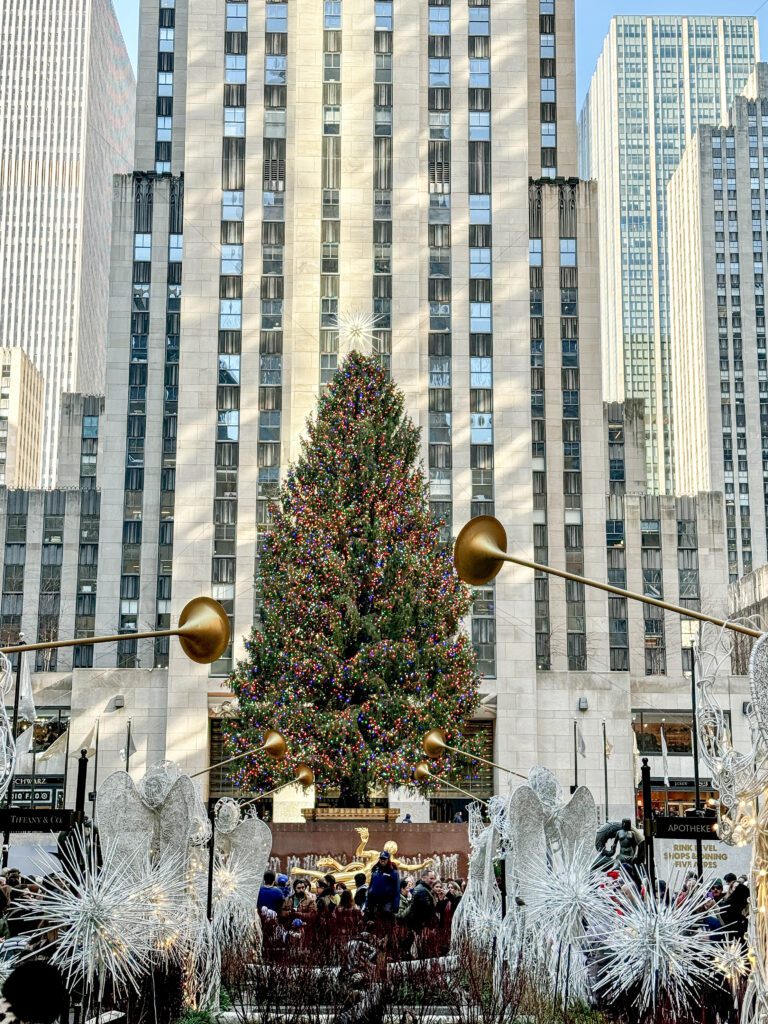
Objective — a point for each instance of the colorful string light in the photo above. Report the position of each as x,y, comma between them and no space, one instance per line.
360,650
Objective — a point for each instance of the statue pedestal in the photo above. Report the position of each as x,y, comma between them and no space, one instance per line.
385,814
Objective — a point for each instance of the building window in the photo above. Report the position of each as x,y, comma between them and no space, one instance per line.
332,15
142,248
479,21
479,126
277,17
548,90
547,44
234,121
567,252
383,11
332,67
237,17
439,21
235,69
276,69
232,206
165,83
439,73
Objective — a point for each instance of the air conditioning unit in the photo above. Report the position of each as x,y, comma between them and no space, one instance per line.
746,707
583,704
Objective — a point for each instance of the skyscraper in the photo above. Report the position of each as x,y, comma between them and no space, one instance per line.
355,159
657,79
305,169
67,95
21,416
717,243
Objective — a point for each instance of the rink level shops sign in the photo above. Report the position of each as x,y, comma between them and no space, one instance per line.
672,827
25,819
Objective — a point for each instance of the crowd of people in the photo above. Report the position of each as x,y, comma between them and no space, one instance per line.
411,912
726,903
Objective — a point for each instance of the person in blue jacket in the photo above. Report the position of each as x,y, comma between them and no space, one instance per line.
270,896
383,898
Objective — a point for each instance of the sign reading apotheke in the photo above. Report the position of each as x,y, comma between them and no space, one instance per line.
673,827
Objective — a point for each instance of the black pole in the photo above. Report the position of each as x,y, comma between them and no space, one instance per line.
14,727
650,863
696,783
605,769
34,769
575,755
211,858
82,785
95,770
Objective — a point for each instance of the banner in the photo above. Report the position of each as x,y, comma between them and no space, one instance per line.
676,856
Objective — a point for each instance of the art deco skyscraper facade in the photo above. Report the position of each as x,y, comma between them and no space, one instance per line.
67,96
341,159
718,211
657,79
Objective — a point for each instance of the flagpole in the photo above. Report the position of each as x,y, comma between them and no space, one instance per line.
128,748
575,755
95,769
34,770
605,769
66,758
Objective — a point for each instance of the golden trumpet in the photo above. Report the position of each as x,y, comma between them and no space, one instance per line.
481,550
421,773
305,777
203,633
275,745
434,744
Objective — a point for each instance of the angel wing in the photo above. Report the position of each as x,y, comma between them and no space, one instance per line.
252,841
576,823
176,820
526,818
758,684
123,819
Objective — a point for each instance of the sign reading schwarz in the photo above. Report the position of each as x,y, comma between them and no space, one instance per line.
670,827
25,819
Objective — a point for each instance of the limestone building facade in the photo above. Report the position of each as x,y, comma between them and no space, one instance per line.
21,419
67,95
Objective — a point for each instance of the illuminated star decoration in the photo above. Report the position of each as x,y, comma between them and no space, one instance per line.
356,331
113,922
562,901
732,961
652,949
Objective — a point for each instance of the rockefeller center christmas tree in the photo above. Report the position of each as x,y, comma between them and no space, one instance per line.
360,650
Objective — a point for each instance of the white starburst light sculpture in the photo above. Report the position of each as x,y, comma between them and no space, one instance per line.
356,331
114,921
565,900
654,950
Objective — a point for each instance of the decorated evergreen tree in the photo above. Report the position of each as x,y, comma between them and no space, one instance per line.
361,649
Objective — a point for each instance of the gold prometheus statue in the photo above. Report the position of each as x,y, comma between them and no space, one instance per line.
362,863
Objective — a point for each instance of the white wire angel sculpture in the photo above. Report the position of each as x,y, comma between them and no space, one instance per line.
740,776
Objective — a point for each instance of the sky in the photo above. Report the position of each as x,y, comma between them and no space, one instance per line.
592,20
